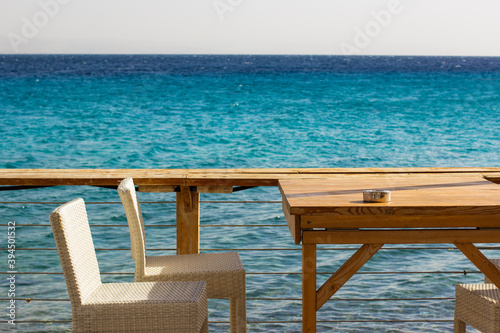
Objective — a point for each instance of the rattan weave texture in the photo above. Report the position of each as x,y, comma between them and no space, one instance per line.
477,305
223,272
120,307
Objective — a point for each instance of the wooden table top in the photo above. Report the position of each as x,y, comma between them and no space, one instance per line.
447,194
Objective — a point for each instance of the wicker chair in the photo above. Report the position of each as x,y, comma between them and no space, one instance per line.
120,307
223,272
478,305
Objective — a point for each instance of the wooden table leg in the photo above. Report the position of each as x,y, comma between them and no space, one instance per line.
308,287
188,221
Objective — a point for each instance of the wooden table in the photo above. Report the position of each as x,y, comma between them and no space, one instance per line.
425,208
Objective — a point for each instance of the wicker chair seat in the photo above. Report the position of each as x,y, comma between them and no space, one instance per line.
223,272
144,307
477,305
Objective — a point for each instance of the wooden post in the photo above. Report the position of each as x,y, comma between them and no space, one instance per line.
188,221
308,288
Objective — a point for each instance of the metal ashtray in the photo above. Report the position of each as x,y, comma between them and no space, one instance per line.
376,196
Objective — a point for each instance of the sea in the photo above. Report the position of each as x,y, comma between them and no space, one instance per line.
240,111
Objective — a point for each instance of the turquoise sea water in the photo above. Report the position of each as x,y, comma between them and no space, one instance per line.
244,112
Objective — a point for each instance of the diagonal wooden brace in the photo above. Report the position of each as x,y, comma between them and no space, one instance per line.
345,272
481,262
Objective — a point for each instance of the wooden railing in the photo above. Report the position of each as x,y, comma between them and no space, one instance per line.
189,183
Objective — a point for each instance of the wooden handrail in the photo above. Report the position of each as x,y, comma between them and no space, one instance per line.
195,181
201,177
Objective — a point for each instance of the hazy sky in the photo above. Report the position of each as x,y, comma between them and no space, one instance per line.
377,27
